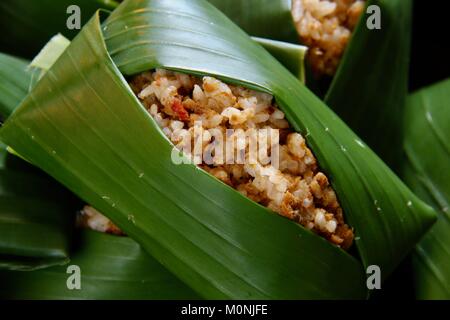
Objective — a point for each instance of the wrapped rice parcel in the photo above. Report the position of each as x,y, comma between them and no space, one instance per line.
113,120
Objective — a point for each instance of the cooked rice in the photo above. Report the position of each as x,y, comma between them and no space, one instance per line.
297,189
325,27
92,219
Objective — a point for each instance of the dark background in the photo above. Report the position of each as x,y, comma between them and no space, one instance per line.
430,52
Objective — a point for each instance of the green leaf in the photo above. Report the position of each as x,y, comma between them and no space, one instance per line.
115,268
93,135
427,172
31,205
370,87
372,78
14,83
35,220
50,52
266,20
28,24
47,57
270,19
111,267
272,25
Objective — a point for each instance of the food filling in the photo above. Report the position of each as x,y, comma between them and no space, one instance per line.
198,112
325,27
90,218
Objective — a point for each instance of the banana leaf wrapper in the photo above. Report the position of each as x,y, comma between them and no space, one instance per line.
35,224
112,267
31,205
291,56
91,133
14,83
261,18
427,172
372,78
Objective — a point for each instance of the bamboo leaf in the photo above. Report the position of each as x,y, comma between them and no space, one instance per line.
372,79
14,83
291,56
359,90
270,19
233,260
89,135
28,24
383,195
47,57
32,206
50,52
111,267
427,172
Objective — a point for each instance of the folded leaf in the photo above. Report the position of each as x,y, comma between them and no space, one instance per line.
270,19
46,57
130,273
31,205
372,78
93,135
110,267
14,83
427,172
34,220
370,87
292,56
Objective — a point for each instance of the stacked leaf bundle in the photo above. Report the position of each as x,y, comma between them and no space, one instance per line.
83,125
426,170
33,205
